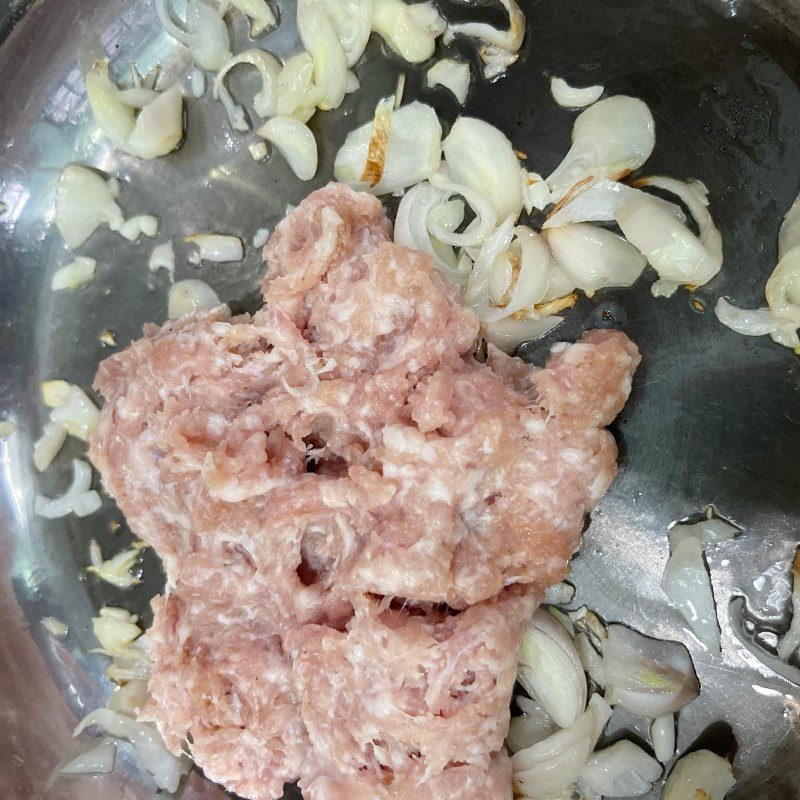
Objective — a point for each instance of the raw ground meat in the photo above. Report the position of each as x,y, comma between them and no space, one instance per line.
357,518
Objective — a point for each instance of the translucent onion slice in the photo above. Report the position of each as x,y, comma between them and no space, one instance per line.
116,629
535,191
48,445
550,670
662,734
205,32
748,322
162,257
133,228
783,288
531,727
621,770
352,20
593,257
84,202
186,297
117,569
789,235
79,499
480,156
560,595
159,126
453,75
264,101
769,660
413,151
573,97
790,641
688,585
115,117
709,531
55,393
610,139
592,660
557,761
495,245
165,768
97,760
261,15
296,144
74,274
217,247
509,333
78,414
646,676
320,39
699,774
296,94
480,229
129,699
410,29
672,249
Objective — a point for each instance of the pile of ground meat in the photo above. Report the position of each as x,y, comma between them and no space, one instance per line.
356,516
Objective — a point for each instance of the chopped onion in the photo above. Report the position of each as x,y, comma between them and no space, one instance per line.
476,293
205,32
78,414
789,235
352,20
557,761
662,734
480,156
571,96
699,774
258,151
162,257
159,126
186,297
84,202
216,247
550,669
79,499
530,728
95,761
296,144
675,252
261,15
453,75
264,101
748,322
592,660
322,42
296,93
688,585
646,676
261,237
55,627
500,47
413,151
560,595
116,629
621,770
117,569
772,662
410,29
195,83
610,139
129,699
710,531
133,228
48,445
165,768
783,288
598,201
790,641
535,191
74,274
507,334
695,196
594,257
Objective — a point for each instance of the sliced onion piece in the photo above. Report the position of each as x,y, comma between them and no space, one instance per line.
79,498
480,229
97,760
216,247
688,585
662,734
610,139
453,75
789,235
598,201
699,774
162,257
129,699
710,531
294,86
159,126
261,15
74,274
790,641
133,228
115,631
410,29
769,660
675,252
352,20
646,676
557,761
115,117
117,569
378,142
260,237
264,101
205,32
550,670
535,191
412,154
621,770
78,414
480,156
783,288
573,97
84,202
186,297
509,333
531,727
165,768
592,660
594,257
296,144
495,245
748,322
320,39
48,445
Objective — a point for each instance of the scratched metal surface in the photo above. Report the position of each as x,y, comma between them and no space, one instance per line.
713,417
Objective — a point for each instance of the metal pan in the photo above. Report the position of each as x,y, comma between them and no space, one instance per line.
713,418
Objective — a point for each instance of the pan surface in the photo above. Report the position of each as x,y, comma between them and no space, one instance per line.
713,418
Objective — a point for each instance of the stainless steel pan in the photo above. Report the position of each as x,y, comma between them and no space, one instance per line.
714,416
